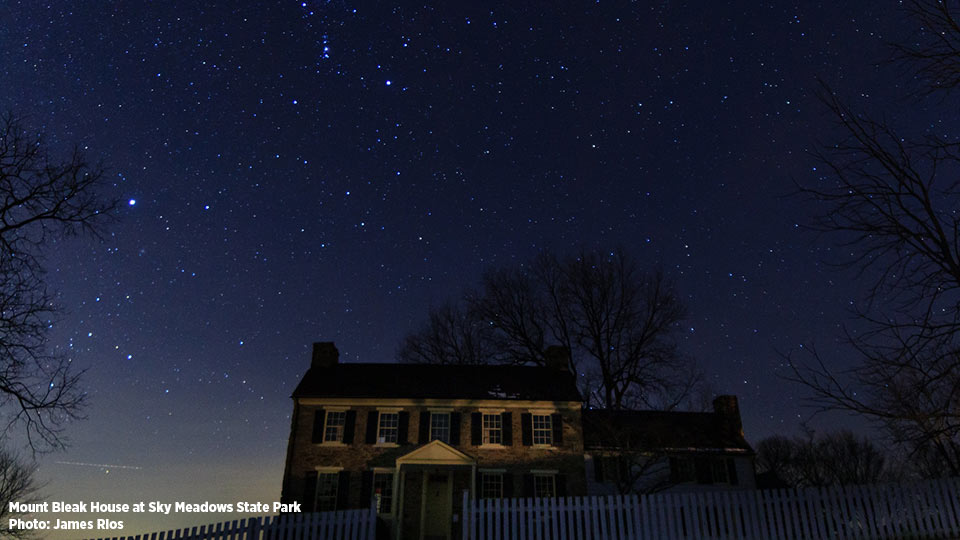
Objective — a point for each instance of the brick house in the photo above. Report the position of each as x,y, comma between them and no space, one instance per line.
414,437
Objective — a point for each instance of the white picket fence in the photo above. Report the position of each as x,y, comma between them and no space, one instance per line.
928,509
339,525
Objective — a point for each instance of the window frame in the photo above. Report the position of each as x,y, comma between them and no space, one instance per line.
484,475
340,428
719,465
381,441
548,429
449,426
486,432
389,473
318,498
689,466
538,478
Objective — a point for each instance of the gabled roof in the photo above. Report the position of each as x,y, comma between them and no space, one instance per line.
660,430
418,381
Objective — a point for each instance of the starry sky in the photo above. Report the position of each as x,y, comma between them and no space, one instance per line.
301,171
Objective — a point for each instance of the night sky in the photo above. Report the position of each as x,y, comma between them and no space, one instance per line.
295,172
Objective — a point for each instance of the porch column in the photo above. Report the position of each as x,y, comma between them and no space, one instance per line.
398,521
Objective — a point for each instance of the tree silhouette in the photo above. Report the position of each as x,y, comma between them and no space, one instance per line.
17,484
837,458
893,200
619,324
41,200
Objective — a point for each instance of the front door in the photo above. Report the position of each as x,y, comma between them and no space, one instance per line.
436,507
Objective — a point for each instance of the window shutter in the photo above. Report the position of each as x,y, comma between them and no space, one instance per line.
560,482
350,422
455,429
403,429
507,423
366,488
528,485
478,482
373,417
732,471
598,468
310,491
674,470
526,429
556,422
476,428
343,490
424,427
507,485
318,419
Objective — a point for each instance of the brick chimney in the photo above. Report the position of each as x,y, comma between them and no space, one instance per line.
325,355
728,412
557,357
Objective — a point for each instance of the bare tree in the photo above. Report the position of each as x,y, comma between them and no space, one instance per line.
932,54
619,324
893,201
631,459
17,484
41,200
451,335
837,458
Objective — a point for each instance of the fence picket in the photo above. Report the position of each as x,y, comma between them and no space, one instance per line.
928,509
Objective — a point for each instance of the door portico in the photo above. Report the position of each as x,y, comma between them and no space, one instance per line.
429,471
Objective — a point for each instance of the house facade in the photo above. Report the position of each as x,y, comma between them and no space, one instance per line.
413,438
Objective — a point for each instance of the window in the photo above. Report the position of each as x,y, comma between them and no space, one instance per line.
685,470
389,425
544,486
542,430
326,491
383,491
719,470
491,485
440,427
492,429
333,432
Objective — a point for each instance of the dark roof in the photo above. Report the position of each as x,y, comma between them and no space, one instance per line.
418,381
660,430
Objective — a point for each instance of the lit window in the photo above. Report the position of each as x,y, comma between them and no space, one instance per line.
491,485
389,423
326,492
542,432
333,432
383,491
440,427
544,486
492,429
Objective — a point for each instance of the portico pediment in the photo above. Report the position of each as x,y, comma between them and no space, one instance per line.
436,453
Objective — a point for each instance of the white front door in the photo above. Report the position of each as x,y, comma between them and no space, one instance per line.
437,506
